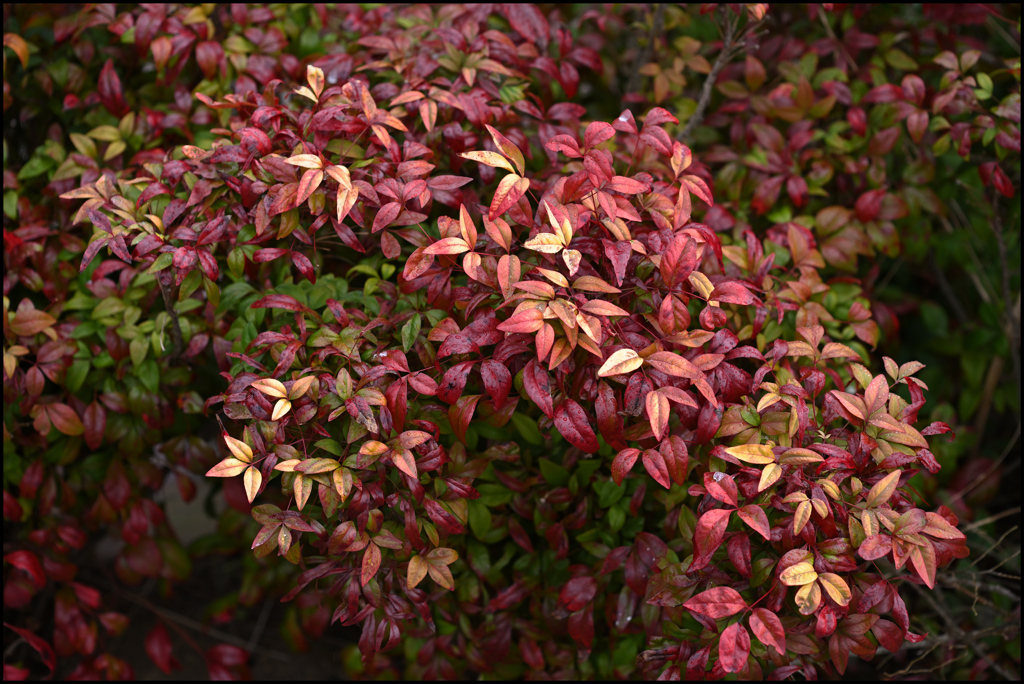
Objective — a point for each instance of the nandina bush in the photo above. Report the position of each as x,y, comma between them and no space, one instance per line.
452,313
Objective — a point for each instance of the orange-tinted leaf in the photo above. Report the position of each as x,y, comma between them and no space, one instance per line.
65,419
405,461
883,489
229,467
593,284
508,148
808,598
658,412
417,571
602,308
490,159
452,245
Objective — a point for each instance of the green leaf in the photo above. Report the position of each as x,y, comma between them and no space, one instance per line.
76,375
410,331
329,445
190,284
553,473
527,428
479,519
149,375
138,348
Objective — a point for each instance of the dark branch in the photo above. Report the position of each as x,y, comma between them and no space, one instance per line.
709,83
644,55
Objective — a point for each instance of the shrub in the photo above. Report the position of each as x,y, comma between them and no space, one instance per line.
452,313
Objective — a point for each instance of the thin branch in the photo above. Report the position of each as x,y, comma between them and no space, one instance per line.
197,626
981,478
954,629
709,83
992,518
644,55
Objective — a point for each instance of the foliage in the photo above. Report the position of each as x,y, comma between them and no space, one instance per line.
452,309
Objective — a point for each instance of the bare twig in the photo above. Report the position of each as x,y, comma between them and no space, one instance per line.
644,55
958,634
992,518
197,626
988,391
709,83
981,478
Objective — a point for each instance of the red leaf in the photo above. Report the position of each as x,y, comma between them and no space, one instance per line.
876,546
732,292
386,216
654,462
625,123
609,422
597,133
454,382
65,419
721,487
708,536
581,627
578,592
41,646
304,265
461,413
279,301
716,603
734,648
509,191
159,649
27,561
677,458
371,563
623,463
537,384
497,381
572,422
768,629
658,116
566,144
109,90
527,21
755,517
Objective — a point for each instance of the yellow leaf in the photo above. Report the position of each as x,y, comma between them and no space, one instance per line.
883,489
808,598
802,515
307,161
593,284
758,454
572,259
836,587
488,158
238,449
769,476
622,361
554,276
252,480
798,575
281,409
271,387
546,243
